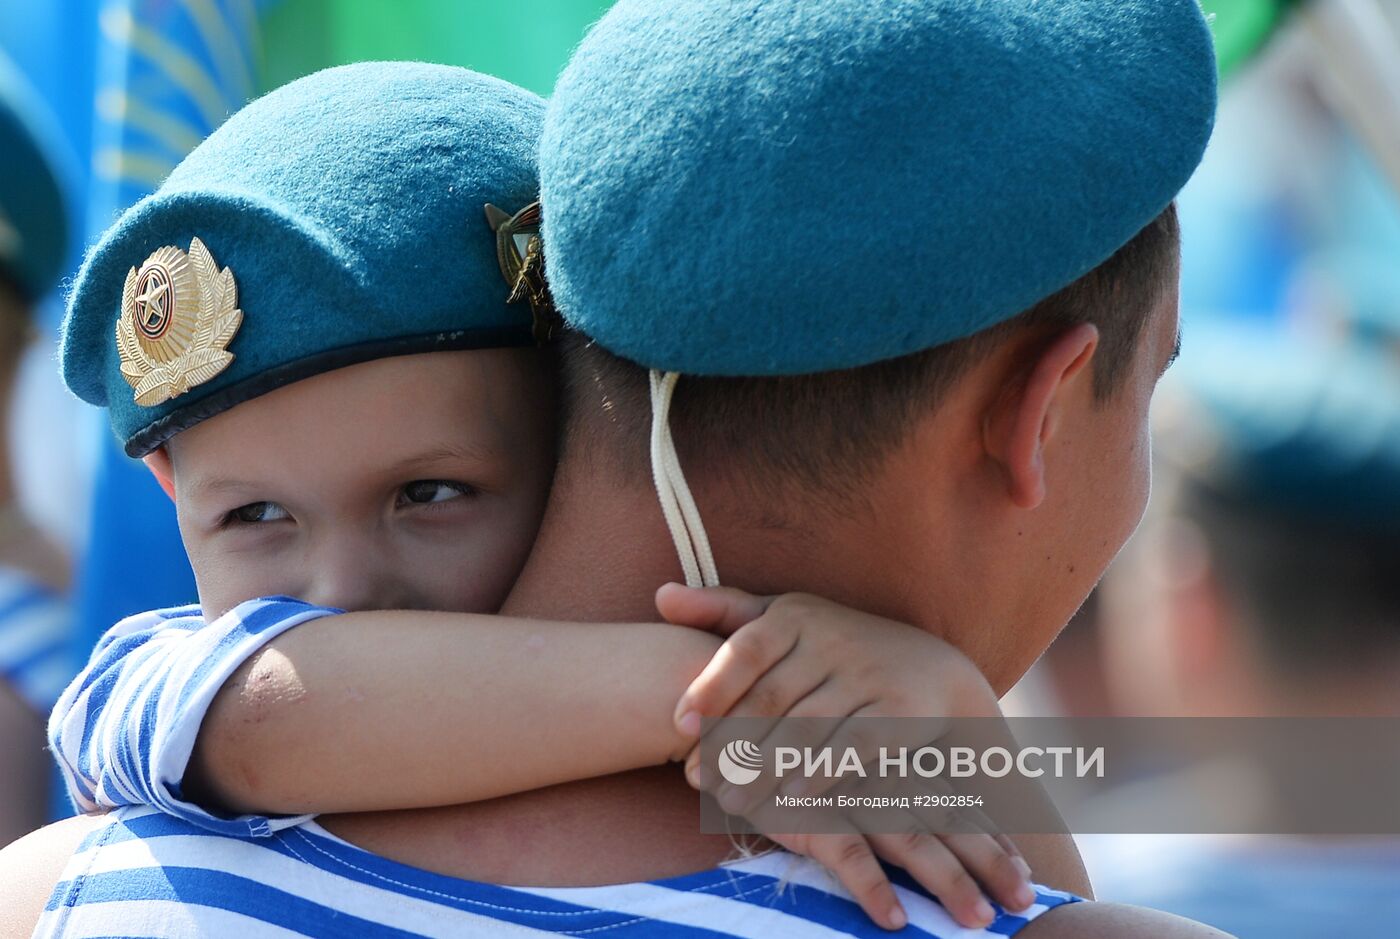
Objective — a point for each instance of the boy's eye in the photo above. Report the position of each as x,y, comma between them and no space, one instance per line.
255,512
425,491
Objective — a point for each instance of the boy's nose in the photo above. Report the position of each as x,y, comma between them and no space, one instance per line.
355,577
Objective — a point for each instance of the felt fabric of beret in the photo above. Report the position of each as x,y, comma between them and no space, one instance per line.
33,213
770,187
1269,420
349,207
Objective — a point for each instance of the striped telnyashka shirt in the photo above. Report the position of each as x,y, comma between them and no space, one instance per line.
35,624
144,873
124,730
123,733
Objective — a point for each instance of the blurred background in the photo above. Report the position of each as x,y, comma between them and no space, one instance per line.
1263,582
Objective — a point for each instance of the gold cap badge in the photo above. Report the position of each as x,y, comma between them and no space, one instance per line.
179,313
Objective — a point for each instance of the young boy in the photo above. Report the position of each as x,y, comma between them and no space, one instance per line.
334,440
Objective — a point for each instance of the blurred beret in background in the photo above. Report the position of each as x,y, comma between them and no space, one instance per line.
1270,420
33,213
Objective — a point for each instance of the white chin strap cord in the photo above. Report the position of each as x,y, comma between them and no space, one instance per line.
677,504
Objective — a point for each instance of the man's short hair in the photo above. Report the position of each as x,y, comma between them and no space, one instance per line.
827,431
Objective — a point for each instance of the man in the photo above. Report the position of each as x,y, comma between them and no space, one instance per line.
800,188
34,618
704,214
731,190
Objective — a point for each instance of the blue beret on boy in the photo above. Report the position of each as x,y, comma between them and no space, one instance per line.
33,214
336,220
741,188
1269,421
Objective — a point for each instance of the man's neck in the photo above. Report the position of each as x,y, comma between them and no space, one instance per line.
601,553
599,557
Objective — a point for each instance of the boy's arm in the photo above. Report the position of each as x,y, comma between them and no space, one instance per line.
123,729
454,707
298,723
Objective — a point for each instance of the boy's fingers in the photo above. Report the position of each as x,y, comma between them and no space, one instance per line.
991,866
721,610
763,708
772,695
1017,858
843,736
929,861
698,778
704,775
743,659
851,859
801,736
1009,847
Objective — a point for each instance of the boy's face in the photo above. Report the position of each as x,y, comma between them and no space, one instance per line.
413,482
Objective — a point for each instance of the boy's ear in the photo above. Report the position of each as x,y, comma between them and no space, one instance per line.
1024,419
158,462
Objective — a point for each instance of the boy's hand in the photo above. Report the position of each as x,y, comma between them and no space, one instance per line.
801,656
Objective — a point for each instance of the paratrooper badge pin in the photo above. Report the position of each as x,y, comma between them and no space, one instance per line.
179,313
520,255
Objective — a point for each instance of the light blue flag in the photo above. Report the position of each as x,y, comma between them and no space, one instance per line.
168,73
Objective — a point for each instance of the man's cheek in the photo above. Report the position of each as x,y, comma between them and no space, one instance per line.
1137,488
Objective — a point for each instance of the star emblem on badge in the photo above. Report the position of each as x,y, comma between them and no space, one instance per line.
179,314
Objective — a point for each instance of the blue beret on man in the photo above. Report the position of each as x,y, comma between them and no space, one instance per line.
792,186
333,221
33,213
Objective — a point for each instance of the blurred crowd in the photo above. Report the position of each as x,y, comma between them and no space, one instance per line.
1265,580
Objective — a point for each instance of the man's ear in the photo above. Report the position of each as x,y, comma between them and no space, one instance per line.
1024,418
158,462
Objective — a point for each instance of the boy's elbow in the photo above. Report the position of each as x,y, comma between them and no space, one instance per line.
222,781
236,753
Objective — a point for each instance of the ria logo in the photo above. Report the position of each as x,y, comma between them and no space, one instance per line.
740,762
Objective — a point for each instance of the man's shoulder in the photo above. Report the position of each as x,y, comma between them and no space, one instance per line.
1114,921
31,867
